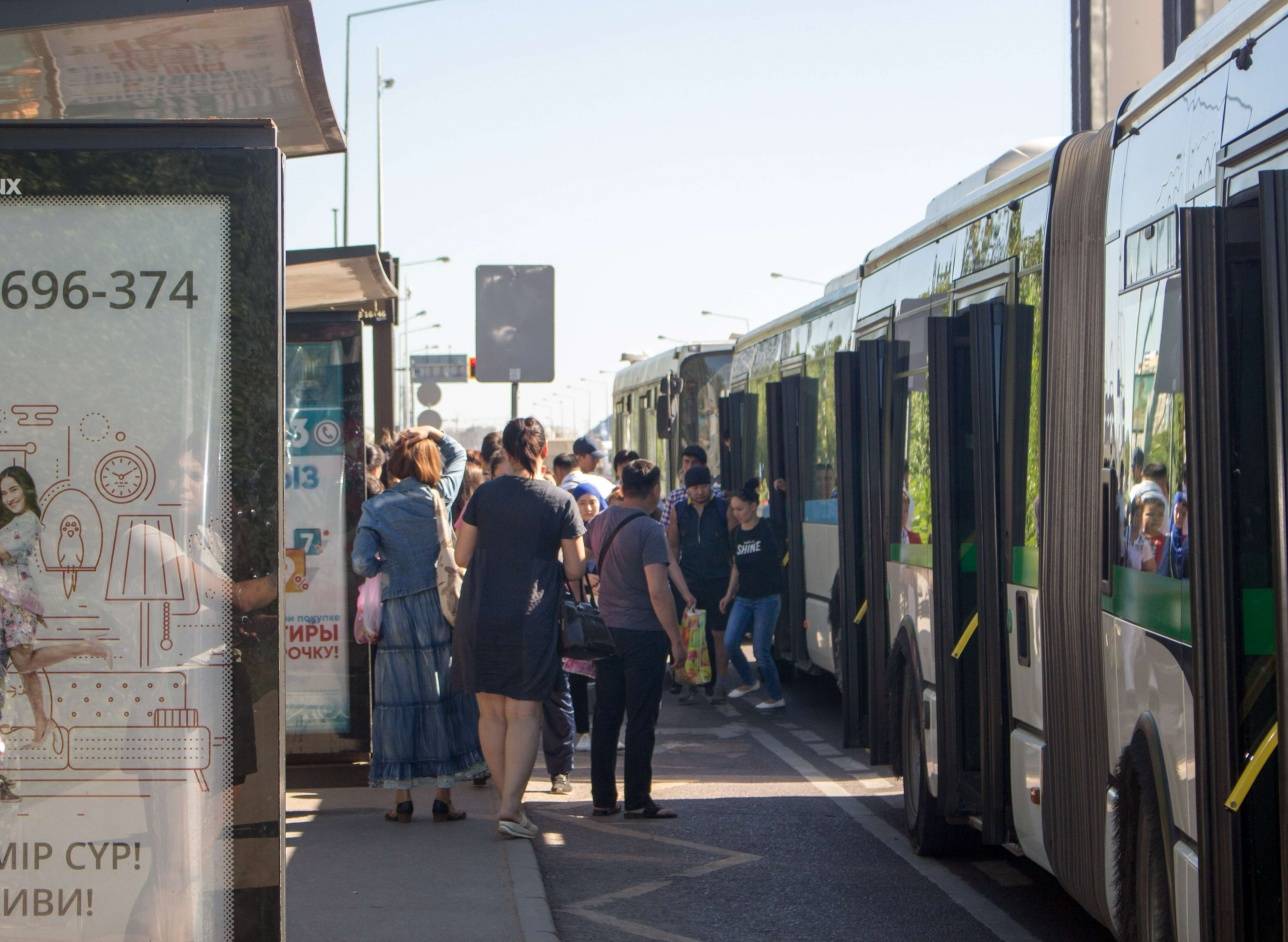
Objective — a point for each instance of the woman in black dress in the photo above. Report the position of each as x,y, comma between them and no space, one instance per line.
507,629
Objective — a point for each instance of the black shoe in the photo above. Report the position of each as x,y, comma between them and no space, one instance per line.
401,813
443,811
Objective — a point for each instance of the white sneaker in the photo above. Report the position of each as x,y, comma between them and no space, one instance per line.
742,691
768,705
583,743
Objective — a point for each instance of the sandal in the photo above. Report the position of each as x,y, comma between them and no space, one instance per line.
523,829
443,811
401,813
651,811
605,812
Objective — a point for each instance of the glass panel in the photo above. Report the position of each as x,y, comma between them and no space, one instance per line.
705,378
826,336
1144,374
910,438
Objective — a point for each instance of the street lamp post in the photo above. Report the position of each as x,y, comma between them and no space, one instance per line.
675,340
382,83
746,322
808,281
348,29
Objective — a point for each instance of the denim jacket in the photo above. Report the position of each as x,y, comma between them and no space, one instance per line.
397,538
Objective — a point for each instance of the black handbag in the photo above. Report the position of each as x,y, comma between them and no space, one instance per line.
583,636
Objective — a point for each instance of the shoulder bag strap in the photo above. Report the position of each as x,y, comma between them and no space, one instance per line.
603,551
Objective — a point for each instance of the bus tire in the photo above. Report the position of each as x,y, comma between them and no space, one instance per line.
927,829
1144,892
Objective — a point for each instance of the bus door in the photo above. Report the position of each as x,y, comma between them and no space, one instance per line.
1233,269
783,402
970,642
861,617
725,418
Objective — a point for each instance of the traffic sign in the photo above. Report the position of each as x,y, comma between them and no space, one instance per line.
440,368
429,394
514,323
430,417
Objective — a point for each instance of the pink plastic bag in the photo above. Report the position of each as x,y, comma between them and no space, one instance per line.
366,624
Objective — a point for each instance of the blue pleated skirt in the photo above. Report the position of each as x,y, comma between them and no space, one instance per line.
424,731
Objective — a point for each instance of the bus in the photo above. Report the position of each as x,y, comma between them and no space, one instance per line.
1059,595
669,401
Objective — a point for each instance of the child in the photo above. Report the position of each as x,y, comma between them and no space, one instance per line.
20,607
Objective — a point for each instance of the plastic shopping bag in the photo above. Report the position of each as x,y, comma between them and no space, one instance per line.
697,660
366,626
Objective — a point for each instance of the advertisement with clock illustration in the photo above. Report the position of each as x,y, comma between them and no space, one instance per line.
122,476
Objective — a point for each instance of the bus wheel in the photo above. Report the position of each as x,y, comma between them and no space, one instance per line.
926,827
1153,901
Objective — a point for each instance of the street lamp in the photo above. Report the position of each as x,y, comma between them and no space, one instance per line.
746,322
348,26
808,281
676,340
382,83
425,261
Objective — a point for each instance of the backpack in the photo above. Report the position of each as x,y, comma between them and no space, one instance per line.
450,577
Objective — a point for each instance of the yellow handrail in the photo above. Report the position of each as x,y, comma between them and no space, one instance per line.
863,610
1253,769
966,636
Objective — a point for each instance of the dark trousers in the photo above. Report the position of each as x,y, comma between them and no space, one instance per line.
628,683
558,737
579,684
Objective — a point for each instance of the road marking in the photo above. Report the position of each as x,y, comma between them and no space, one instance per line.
953,886
588,908
848,764
805,735
786,725
825,749
726,709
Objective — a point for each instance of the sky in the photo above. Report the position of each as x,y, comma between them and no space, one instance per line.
665,157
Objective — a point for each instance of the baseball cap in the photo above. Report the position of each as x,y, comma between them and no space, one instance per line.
588,445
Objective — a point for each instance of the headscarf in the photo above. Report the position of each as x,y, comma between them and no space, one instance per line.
581,490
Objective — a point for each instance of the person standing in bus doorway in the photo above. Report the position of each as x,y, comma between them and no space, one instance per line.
587,453
691,457
635,600
754,597
698,537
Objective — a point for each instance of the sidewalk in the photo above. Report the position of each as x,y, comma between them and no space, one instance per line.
352,876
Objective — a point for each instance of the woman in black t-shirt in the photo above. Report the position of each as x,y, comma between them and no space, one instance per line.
506,641
754,597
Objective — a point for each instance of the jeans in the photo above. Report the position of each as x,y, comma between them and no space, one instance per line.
761,616
557,733
630,683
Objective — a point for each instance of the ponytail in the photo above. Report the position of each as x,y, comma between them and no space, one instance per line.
524,441
749,492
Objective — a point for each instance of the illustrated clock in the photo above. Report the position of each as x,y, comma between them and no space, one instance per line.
120,476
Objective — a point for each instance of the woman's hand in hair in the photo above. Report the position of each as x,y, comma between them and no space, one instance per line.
419,433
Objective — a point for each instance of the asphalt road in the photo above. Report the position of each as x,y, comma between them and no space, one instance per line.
781,835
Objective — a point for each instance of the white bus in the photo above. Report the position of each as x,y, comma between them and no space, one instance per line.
1056,476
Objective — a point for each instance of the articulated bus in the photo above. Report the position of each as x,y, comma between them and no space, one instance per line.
669,401
1031,461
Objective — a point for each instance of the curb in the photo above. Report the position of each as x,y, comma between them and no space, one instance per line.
535,920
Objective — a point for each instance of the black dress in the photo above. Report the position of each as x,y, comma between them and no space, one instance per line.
507,631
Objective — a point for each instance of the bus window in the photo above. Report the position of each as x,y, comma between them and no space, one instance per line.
1155,502
910,442
704,379
818,430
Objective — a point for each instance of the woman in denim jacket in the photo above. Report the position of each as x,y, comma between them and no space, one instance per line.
424,731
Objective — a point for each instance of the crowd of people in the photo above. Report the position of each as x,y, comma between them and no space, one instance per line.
470,689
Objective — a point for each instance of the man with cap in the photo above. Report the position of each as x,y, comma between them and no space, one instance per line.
697,535
692,456
587,453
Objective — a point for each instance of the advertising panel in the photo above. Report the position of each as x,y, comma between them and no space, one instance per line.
138,577
316,579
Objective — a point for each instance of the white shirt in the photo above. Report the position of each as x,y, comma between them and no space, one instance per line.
601,484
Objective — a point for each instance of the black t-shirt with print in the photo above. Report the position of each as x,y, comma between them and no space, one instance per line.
760,561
